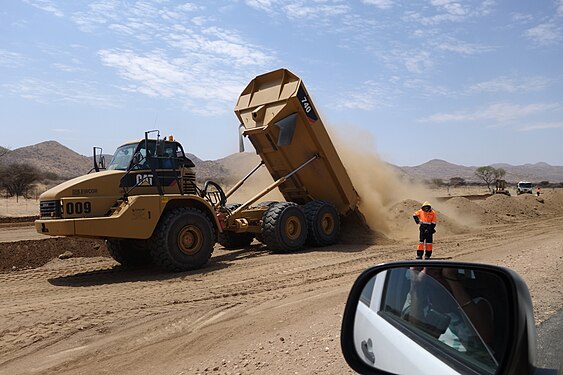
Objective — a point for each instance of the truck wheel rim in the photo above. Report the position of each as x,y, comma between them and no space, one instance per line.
327,224
190,240
293,228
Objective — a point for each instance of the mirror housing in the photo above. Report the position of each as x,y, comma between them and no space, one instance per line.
99,160
390,344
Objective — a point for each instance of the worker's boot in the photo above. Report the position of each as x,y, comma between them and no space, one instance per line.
428,255
419,254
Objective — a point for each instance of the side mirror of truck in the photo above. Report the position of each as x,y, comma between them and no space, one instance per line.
436,317
99,160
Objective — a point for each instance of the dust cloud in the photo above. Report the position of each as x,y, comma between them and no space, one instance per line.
378,184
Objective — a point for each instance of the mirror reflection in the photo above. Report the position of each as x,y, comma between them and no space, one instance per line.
435,317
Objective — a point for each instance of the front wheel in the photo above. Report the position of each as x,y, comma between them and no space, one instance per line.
129,252
284,227
183,240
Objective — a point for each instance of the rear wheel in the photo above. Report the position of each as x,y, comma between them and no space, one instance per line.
259,237
183,240
323,222
129,252
284,227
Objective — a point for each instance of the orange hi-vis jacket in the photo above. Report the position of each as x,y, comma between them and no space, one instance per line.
427,218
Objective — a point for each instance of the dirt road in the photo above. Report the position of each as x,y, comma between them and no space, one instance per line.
247,312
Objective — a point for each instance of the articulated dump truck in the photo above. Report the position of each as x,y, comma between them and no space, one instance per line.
146,205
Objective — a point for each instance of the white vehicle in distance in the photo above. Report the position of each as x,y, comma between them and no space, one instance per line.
524,187
440,317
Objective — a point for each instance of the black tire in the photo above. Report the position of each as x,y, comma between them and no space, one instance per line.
183,240
266,203
259,237
129,252
323,222
231,240
284,227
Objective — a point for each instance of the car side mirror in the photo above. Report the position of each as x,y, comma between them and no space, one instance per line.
436,317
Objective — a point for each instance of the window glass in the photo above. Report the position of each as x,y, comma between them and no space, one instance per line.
367,292
122,157
442,308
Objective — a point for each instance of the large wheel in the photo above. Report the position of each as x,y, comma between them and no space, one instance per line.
232,240
284,227
259,236
129,252
323,222
183,240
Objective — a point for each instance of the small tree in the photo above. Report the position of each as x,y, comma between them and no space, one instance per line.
544,183
457,181
489,175
18,178
437,182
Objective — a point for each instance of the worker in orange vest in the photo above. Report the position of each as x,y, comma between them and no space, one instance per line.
426,218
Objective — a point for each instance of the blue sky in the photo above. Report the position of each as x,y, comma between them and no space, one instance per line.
470,82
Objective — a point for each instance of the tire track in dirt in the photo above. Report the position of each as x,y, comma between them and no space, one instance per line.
64,314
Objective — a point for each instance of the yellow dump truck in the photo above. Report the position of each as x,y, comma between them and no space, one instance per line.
147,206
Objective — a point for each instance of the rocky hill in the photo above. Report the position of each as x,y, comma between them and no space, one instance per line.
53,157
443,170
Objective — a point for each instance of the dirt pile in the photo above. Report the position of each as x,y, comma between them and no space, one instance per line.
523,207
402,225
470,210
30,254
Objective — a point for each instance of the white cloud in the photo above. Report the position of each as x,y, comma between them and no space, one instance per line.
549,32
443,11
371,95
299,10
67,68
522,18
417,62
542,126
47,6
511,84
382,4
267,5
49,92
450,44
499,112
11,59
545,34
190,79
194,63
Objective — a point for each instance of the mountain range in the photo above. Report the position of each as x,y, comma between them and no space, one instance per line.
51,156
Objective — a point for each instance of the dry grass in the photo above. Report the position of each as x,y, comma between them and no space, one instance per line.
23,207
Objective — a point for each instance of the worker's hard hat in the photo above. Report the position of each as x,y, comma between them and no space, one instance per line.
426,204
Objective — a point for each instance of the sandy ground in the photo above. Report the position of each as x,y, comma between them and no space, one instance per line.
248,311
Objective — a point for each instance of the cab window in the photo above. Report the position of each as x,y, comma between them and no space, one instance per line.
122,157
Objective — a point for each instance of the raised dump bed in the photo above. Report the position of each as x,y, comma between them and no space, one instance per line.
282,123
